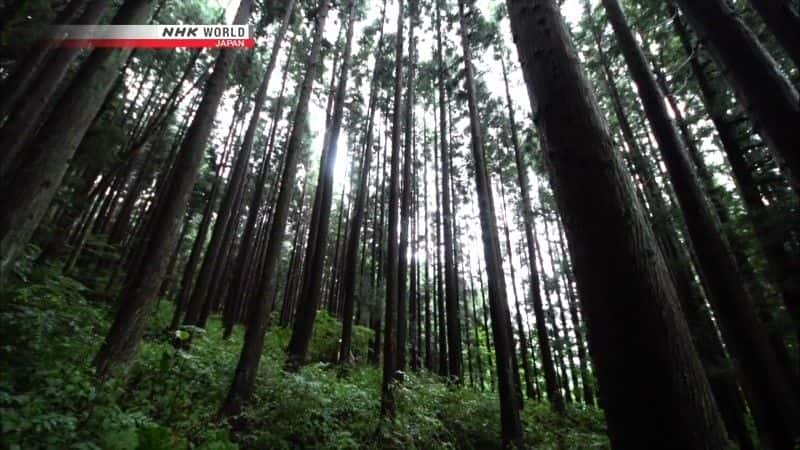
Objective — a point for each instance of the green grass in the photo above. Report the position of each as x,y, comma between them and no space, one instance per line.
167,398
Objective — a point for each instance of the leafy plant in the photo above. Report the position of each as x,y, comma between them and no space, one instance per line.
168,397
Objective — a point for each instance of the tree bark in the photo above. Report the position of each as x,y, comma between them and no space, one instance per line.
393,261
311,290
160,237
551,384
772,100
511,426
25,197
244,378
631,305
772,397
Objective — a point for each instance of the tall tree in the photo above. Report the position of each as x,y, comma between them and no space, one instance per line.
631,306
405,200
498,302
393,258
311,290
551,383
771,395
772,100
455,363
244,378
142,284
357,218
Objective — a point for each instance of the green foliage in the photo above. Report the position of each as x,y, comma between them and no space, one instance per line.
167,399
325,341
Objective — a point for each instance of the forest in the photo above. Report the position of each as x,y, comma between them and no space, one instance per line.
403,224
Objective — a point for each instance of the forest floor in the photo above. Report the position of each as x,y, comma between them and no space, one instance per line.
50,329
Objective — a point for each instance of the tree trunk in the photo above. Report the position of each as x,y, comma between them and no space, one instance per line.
784,21
355,223
551,384
25,197
142,284
22,121
311,290
759,83
428,260
26,71
244,378
631,306
405,201
393,258
455,366
710,349
189,270
523,340
498,303
441,331
772,398
213,260
783,266
565,345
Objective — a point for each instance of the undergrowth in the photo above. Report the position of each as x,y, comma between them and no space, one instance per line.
167,398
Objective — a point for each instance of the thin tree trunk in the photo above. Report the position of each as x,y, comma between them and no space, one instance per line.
213,260
393,260
311,290
498,303
426,221
405,201
244,378
187,279
455,364
567,353
523,340
586,378
441,330
551,384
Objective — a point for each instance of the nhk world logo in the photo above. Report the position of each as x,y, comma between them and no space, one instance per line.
154,36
